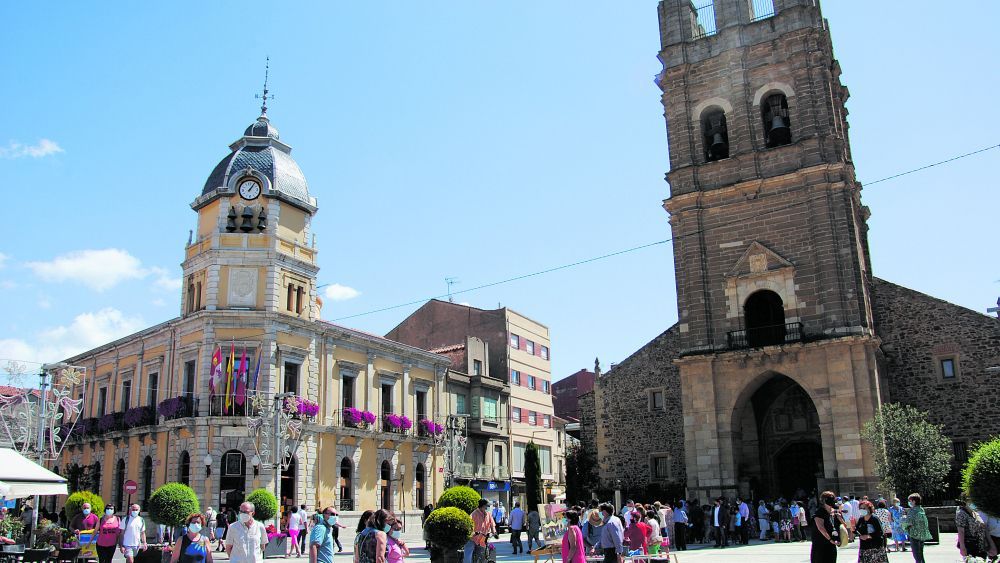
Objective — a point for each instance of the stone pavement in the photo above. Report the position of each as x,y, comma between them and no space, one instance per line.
756,552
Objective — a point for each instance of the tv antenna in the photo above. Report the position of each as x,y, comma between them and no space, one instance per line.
450,282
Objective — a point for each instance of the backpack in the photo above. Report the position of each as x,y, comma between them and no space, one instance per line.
366,544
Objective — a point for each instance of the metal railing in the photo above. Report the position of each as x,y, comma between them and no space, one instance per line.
773,335
497,472
762,9
705,21
465,469
347,504
217,407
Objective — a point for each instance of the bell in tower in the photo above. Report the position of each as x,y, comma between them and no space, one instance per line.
247,224
231,220
776,121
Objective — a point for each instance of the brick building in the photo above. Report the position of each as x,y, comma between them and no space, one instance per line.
566,394
786,344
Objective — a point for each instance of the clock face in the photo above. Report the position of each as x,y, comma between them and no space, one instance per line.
249,189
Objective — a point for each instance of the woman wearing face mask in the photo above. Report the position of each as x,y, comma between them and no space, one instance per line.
825,534
194,546
396,550
372,542
917,527
108,531
898,534
869,530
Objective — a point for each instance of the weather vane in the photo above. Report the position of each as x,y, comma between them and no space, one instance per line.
265,97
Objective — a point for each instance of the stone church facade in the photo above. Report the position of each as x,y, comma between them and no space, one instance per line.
786,344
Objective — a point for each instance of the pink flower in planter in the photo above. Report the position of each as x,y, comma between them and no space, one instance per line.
405,423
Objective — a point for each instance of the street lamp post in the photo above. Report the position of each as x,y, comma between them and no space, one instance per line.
40,444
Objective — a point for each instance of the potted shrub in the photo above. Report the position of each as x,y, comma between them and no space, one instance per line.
170,505
465,498
448,530
981,477
75,501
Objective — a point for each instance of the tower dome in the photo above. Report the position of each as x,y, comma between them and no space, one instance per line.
260,152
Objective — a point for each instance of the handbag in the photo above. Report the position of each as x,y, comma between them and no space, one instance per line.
844,539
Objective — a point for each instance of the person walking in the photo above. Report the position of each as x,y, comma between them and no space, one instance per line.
210,516
483,526
744,511
917,527
84,520
396,549
321,539
294,529
303,528
516,526
221,527
534,526
656,541
574,549
371,543
109,531
194,547
246,538
133,537
884,517
333,518
825,534
612,535
898,533
869,530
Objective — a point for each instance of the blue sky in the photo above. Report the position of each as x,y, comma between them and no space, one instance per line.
476,140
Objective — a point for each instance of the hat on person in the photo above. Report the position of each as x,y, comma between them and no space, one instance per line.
595,518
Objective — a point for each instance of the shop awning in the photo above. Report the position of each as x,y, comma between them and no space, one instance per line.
20,477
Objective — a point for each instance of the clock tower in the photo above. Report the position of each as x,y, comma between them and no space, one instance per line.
251,250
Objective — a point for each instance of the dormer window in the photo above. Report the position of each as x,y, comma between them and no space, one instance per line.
715,134
777,127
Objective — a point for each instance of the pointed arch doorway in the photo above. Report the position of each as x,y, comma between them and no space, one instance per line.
777,441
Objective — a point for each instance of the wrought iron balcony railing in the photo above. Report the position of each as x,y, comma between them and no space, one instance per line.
757,337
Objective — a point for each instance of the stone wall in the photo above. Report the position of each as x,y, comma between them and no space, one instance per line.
619,417
917,332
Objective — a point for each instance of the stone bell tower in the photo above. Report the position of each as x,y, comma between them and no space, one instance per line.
779,359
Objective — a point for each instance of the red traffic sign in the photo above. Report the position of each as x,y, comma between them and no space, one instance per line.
131,487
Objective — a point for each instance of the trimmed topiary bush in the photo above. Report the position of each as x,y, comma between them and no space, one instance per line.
465,498
172,503
264,503
75,501
981,477
449,528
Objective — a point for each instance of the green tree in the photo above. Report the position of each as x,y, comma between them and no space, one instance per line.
912,455
532,477
581,475
448,528
264,504
981,477
172,503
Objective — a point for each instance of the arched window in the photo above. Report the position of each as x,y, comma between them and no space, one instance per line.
184,468
777,126
765,319
120,484
421,491
346,487
385,483
147,480
715,134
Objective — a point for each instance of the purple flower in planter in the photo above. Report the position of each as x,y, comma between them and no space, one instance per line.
136,416
393,421
405,423
308,408
368,416
108,422
353,416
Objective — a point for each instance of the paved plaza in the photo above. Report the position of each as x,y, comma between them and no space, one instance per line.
756,552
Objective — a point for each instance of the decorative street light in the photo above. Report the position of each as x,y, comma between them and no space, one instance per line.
276,440
39,430
208,464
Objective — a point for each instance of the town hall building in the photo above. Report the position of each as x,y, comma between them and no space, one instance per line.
786,343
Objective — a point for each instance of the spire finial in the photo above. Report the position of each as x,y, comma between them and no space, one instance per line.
265,97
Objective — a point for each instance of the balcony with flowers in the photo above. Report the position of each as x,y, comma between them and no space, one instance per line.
396,424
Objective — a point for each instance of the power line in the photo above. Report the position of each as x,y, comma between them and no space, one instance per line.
642,246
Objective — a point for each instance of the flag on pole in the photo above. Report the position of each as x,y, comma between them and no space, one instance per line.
241,378
229,376
256,371
216,375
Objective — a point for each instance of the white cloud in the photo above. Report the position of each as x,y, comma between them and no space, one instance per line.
8,284
163,280
97,269
45,147
88,330
337,292
3,259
